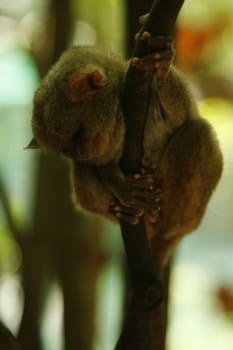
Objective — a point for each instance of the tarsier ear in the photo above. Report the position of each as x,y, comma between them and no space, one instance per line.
32,144
81,86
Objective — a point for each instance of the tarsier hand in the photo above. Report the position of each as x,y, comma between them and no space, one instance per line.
159,61
163,52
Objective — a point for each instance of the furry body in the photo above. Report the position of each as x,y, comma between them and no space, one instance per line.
82,118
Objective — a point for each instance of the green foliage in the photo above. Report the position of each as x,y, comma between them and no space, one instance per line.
201,13
107,19
10,259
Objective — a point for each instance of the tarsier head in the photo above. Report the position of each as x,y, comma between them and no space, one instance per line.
76,110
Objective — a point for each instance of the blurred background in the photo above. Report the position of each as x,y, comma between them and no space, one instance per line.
61,273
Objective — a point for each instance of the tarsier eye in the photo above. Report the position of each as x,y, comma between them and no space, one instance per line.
64,151
68,150
77,135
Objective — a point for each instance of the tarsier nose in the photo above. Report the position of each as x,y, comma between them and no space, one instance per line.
79,154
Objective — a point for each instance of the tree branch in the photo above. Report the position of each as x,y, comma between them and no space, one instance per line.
146,277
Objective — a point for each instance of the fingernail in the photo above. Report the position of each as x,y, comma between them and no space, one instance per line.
146,35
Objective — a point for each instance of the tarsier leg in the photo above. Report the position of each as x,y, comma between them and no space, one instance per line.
190,169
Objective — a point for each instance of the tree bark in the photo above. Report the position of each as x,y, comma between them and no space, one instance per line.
147,308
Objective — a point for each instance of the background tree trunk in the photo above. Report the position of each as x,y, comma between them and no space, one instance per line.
59,245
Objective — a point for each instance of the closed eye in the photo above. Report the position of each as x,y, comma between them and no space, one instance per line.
77,135
76,139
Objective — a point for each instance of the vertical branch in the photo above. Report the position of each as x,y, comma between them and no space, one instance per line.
37,249
136,100
146,277
61,11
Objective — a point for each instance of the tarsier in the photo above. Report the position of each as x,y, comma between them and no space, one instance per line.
78,113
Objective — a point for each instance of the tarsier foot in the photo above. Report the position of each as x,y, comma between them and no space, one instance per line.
142,198
137,192
125,213
149,172
152,214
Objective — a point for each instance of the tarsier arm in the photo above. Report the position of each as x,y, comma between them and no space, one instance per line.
106,191
88,190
